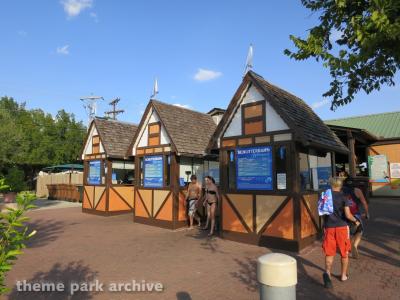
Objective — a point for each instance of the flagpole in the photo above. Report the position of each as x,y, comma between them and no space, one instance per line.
249,60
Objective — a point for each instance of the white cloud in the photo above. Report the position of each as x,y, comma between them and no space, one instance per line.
74,7
204,75
64,50
319,104
182,105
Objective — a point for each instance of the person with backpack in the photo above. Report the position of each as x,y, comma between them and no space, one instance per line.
335,208
358,205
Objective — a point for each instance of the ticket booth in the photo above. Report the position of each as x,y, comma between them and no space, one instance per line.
169,146
109,174
275,156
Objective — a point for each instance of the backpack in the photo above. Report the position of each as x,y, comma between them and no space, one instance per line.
325,203
353,199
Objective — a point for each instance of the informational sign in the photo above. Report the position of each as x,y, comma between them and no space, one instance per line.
94,172
395,170
182,181
254,168
281,181
153,171
324,173
378,168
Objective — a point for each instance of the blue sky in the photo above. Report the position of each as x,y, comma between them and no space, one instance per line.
54,52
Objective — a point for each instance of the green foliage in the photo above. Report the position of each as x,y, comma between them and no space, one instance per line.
15,180
31,139
13,234
358,40
3,186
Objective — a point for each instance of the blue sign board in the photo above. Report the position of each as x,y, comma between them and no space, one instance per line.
153,171
94,172
182,181
324,173
254,168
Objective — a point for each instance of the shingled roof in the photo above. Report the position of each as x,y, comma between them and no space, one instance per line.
189,130
307,126
115,136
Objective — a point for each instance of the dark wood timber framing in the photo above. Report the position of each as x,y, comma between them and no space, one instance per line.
306,134
115,137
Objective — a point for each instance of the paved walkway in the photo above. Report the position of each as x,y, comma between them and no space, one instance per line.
72,246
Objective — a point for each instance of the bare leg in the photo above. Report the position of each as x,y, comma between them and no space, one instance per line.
345,268
208,216
328,264
191,221
212,216
356,242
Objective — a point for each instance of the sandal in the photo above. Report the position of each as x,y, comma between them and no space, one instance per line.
327,281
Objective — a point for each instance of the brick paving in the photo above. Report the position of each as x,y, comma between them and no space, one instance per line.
72,246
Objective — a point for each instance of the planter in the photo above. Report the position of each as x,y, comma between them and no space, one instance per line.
10,197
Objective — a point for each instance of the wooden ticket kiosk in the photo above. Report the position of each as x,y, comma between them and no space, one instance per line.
169,145
275,156
109,174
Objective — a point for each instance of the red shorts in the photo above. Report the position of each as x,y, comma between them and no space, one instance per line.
337,237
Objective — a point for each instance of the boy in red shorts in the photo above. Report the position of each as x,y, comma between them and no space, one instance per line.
336,232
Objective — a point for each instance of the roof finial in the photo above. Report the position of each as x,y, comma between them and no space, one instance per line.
249,60
155,89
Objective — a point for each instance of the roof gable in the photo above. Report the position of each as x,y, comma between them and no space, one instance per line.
299,117
115,136
188,131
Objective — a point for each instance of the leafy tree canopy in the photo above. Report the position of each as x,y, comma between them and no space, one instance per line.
358,40
34,138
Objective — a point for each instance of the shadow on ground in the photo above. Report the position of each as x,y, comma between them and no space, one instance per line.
47,232
66,274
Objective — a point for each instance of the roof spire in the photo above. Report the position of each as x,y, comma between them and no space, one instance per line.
249,60
155,89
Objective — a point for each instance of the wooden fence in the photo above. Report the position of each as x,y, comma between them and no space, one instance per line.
55,179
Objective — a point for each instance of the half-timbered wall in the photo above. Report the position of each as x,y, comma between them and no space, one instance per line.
88,150
143,140
273,122
106,198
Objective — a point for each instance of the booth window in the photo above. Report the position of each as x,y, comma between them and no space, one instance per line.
281,167
94,172
95,144
253,118
123,172
315,171
154,134
189,166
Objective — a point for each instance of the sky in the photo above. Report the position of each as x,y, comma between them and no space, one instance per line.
52,53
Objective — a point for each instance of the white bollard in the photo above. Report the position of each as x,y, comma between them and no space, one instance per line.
277,275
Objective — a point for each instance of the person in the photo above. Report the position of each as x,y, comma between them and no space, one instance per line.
211,199
356,196
192,197
336,232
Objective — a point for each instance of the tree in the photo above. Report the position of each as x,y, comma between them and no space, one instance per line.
32,139
366,53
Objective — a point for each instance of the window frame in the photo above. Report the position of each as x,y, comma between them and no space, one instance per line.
134,173
154,135
250,120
